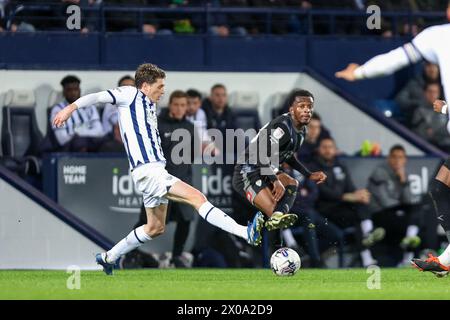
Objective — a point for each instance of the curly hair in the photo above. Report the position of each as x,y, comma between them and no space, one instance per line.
149,73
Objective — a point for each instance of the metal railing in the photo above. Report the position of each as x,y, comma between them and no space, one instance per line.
329,21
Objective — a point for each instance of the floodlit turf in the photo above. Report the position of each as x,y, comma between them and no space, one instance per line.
224,284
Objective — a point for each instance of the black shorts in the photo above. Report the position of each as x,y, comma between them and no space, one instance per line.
447,163
180,212
249,184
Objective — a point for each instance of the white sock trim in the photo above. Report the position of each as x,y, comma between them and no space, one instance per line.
141,235
205,209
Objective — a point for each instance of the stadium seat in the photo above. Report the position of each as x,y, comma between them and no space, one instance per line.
244,99
275,103
21,137
54,97
247,119
49,143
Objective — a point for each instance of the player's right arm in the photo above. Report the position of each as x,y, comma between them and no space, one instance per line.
85,101
115,96
421,47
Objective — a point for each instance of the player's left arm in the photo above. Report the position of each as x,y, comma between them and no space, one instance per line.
319,177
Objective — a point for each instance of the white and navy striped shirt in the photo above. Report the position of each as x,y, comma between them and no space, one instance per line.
138,125
83,122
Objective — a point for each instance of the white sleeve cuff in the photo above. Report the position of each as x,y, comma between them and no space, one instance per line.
358,73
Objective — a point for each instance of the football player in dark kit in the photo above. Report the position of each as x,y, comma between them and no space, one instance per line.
257,176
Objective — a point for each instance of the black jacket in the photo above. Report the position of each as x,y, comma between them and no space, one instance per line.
338,182
166,126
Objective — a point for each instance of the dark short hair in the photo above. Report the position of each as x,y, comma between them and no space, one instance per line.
127,77
397,147
327,138
298,93
177,94
70,79
149,73
217,86
192,93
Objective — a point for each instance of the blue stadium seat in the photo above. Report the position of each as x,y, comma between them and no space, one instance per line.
21,137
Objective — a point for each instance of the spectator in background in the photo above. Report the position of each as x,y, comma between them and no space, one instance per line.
4,12
341,203
223,24
219,114
171,119
196,115
20,18
411,95
131,21
430,125
393,206
316,132
114,142
83,131
109,116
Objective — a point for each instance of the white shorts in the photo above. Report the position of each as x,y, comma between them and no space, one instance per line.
153,180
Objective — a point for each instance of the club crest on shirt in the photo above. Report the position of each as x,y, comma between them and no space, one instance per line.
151,118
278,133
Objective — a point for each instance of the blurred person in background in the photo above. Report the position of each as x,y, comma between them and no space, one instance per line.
171,119
218,113
110,113
83,132
411,95
122,21
340,202
392,204
428,124
196,115
113,141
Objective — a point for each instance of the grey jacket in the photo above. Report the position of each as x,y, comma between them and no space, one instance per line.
387,191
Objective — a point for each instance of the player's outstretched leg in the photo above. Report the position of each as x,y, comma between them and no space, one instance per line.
156,220
440,194
182,192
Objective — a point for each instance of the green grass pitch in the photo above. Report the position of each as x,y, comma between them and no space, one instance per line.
208,284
